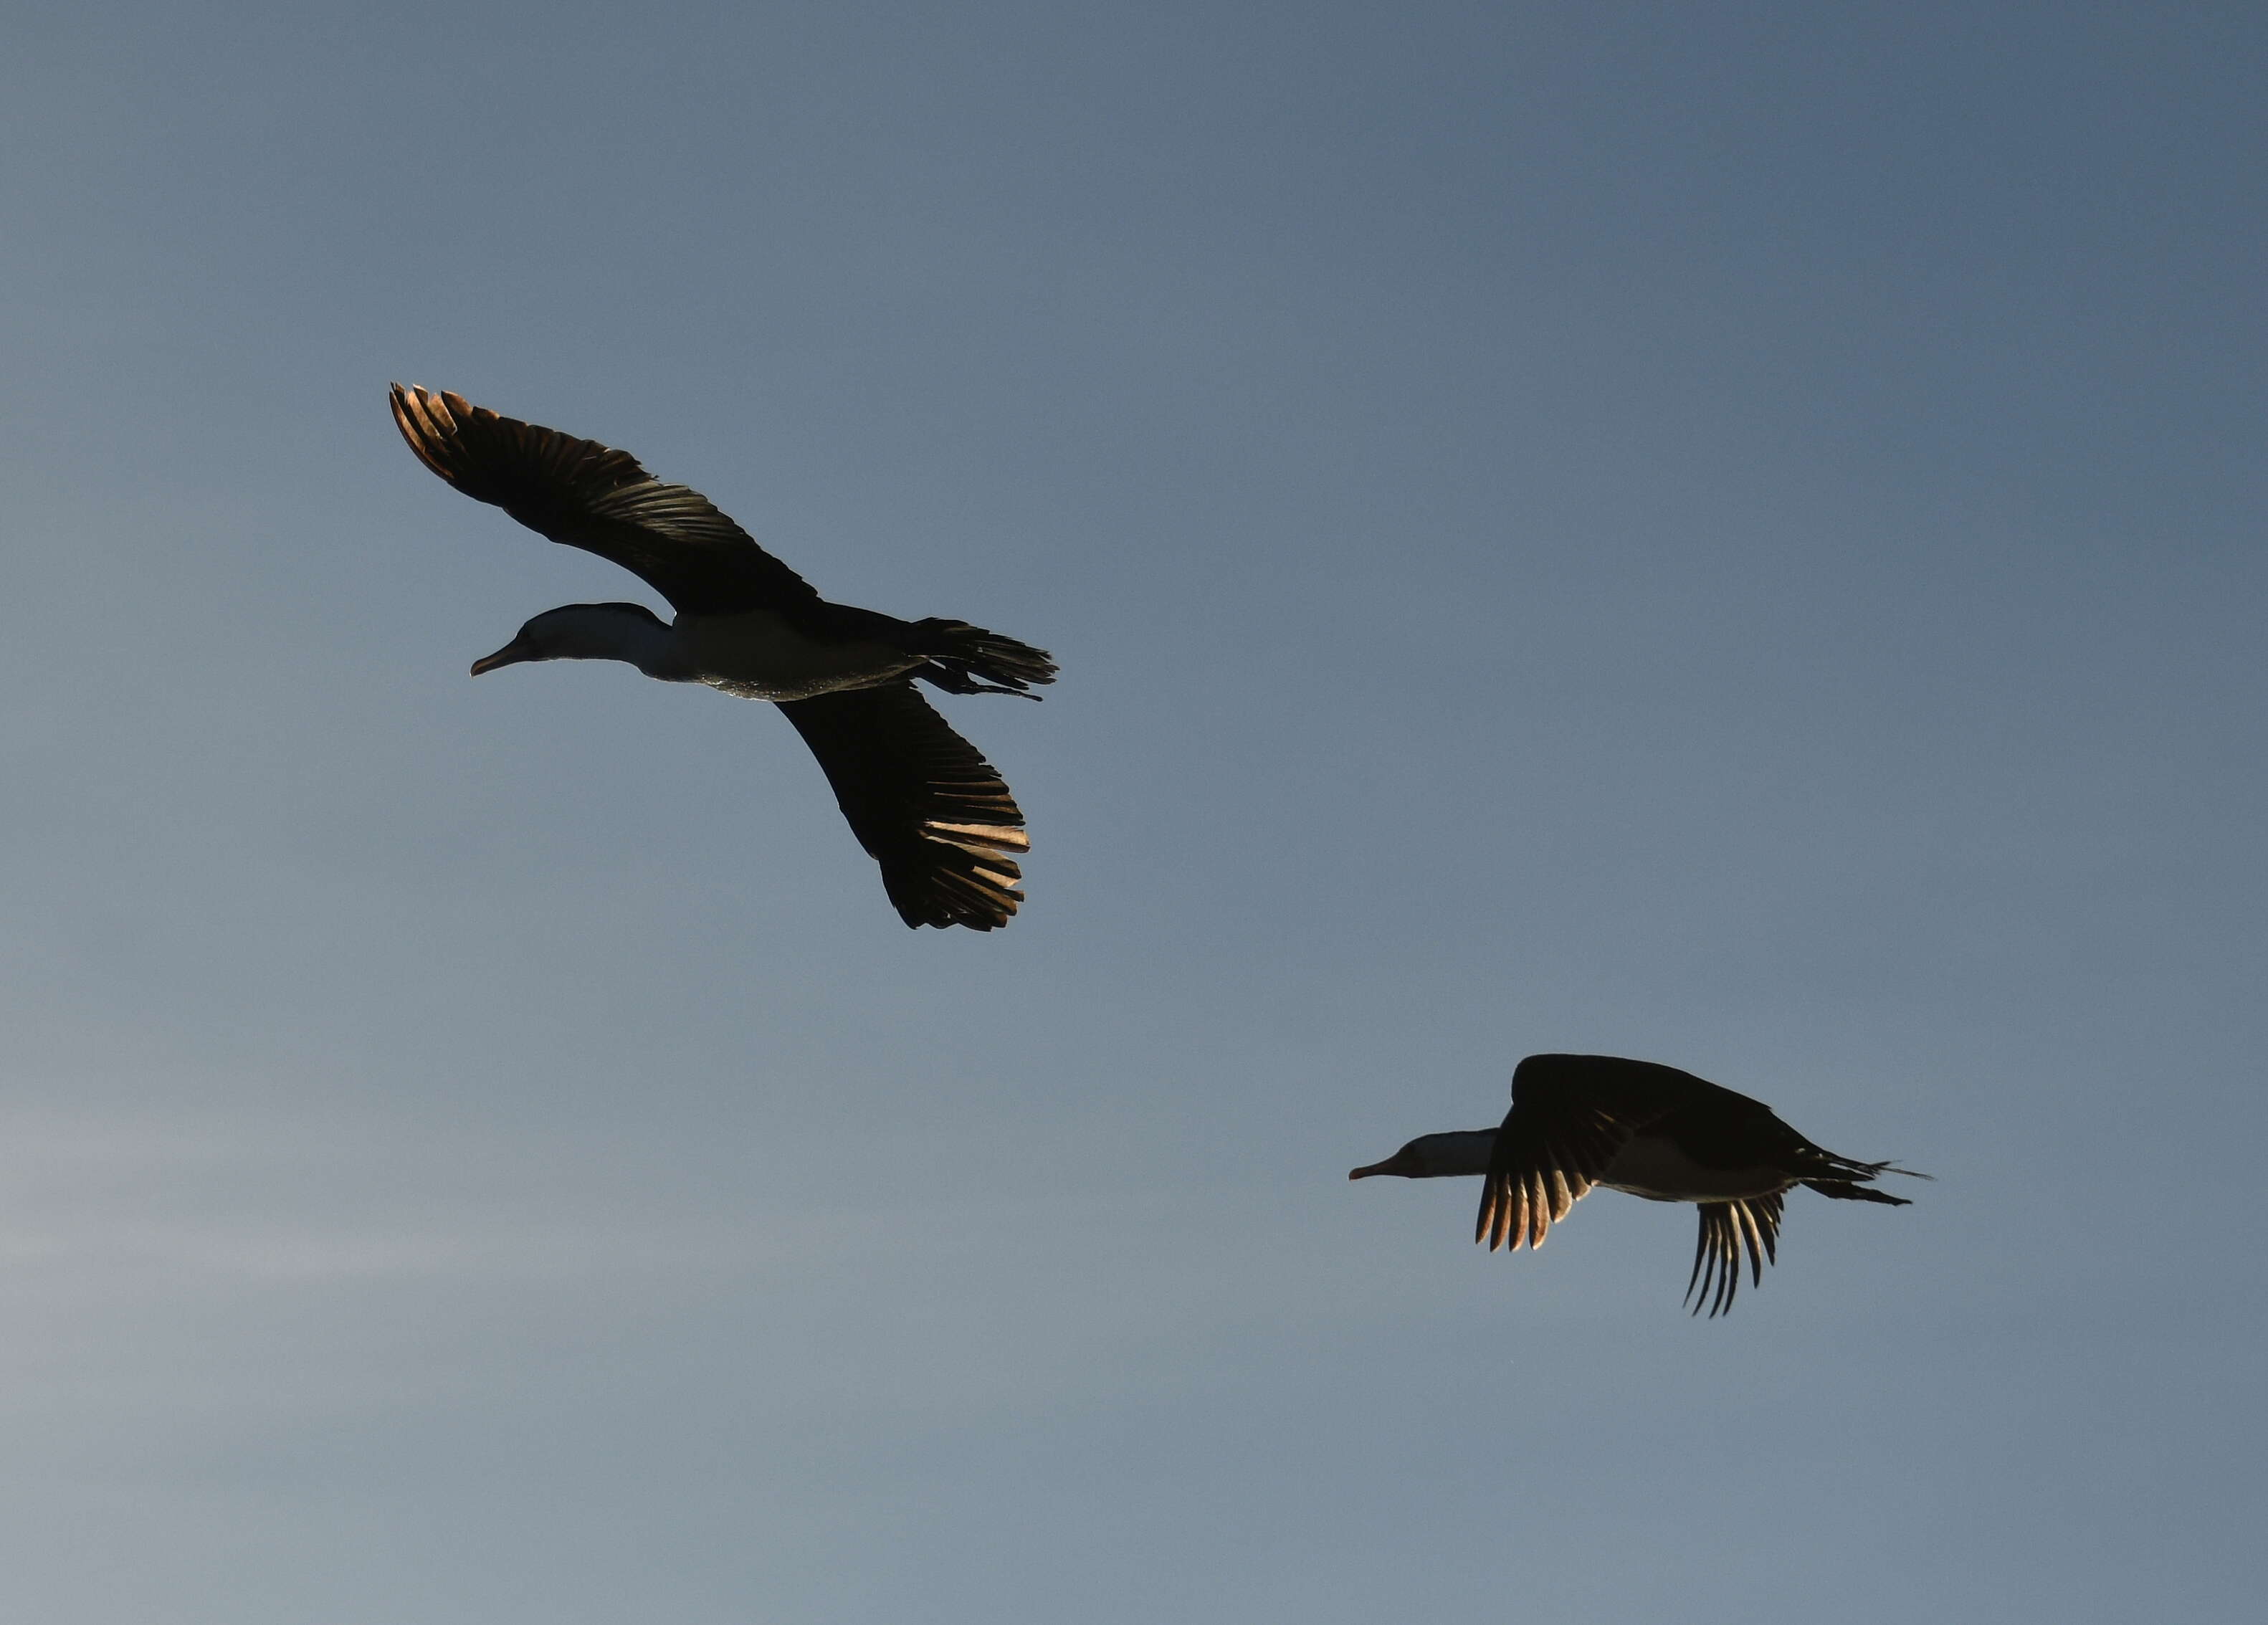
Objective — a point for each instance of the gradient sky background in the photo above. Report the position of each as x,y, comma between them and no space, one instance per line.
1728,534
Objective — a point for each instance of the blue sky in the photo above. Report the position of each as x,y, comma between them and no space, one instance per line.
1727,534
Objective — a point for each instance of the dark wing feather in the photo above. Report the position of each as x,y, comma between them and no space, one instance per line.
922,801
1727,1228
1570,1115
595,497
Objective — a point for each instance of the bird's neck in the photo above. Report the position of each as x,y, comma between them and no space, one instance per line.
640,639
1451,1156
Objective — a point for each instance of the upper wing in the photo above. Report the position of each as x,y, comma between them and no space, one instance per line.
595,497
1570,1115
925,806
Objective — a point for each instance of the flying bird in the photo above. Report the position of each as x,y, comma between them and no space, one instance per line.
1654,1131
921,800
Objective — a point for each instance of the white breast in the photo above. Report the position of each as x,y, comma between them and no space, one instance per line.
1654,1168
759,655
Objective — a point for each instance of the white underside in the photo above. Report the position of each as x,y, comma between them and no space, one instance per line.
759,655
1655,1169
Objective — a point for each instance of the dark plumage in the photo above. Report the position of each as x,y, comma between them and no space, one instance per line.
920,799
1654,1131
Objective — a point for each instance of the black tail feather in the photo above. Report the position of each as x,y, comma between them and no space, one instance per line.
1847,1190
969,659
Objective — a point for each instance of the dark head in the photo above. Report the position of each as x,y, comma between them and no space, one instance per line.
582,632
1437,1155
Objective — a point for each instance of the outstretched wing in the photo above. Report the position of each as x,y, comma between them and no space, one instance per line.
595,497
1726,1228
922,801
1570,1115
